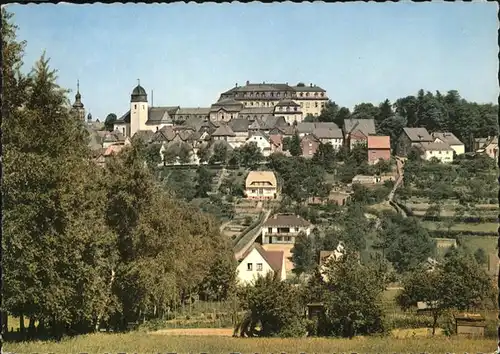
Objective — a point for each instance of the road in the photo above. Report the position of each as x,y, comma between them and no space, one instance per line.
246,242
399,165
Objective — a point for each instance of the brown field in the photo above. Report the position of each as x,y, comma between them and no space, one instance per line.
140,342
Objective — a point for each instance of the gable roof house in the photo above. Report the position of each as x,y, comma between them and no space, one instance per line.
225,110
441,151
379,147
411,137
223,132
261,140
257,262
284,228
490,148
451,140
325,257
309,144
356,131
261,185
331,136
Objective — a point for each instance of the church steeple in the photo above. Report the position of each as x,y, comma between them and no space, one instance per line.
78,107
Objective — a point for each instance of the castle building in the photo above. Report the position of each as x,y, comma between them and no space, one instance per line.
293,102
78,107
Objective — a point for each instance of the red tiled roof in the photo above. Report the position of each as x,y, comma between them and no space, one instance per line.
379,142
273,258
276,139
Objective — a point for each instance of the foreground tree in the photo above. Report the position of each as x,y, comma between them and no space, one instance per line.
458,283
351,293
272,305
303,254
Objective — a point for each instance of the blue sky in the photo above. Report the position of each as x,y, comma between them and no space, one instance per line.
190,53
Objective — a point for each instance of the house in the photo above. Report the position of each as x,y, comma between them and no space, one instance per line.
469,324
441,151
239,127
261,185
106,153
411,137
328,256
365,180
379,147
309,144
490,148
261,140
479,143
257,262
451,140
356,131
284,228
224,132
276,143
331,136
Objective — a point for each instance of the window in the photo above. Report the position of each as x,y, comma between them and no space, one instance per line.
307,94
249,266
322,94
259,267
135,106
296,229
270,229
307,104
287,238
316,104
301,94
280,238
143,106
295,109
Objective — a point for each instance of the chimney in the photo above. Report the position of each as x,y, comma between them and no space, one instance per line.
311,85
236,84
263,82
248,82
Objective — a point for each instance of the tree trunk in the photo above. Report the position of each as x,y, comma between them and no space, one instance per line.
31,328
5,323
434,323
21,324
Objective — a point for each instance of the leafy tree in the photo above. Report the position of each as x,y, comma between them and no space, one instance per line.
365,111
203,182
203,154
220,153
303,256
170,153
404,242
481,256
325,156
295,147
220,282
393,127
385,112
457,283
250,155
184,153
153,156
351,293
109,122
274,306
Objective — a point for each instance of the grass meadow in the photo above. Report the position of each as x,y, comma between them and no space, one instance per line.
139,342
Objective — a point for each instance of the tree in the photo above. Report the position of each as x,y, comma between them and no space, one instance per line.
365,111
385,111
203,154
303,256
250,155
351,294
153,156
220,153
109,122
184,153
295,147
457,283
275,306
481,256
220,282
325,156
404,242
203,182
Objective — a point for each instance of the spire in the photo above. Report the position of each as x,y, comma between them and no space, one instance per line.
78,98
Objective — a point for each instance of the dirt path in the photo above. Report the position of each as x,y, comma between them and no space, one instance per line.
222,332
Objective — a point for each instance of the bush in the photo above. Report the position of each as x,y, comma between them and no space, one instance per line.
407,321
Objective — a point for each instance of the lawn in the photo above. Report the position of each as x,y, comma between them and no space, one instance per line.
488,243
140,342
481,227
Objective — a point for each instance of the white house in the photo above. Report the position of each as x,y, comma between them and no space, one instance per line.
327,256
333,136
441,151
257,262
284,228
261,140
451,140
261,185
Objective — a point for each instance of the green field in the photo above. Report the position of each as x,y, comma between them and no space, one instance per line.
481,227
137,342
488,243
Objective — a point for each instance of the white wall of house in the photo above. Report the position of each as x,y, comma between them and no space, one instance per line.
272,235
263,144
336,143
260,192
445,156
458,148
123,128
258,267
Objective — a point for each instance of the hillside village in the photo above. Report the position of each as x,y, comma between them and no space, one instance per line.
253,124
274,191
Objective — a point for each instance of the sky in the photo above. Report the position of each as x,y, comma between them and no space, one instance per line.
188,54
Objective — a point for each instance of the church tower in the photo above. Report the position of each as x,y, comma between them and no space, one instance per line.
138,109
78,108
